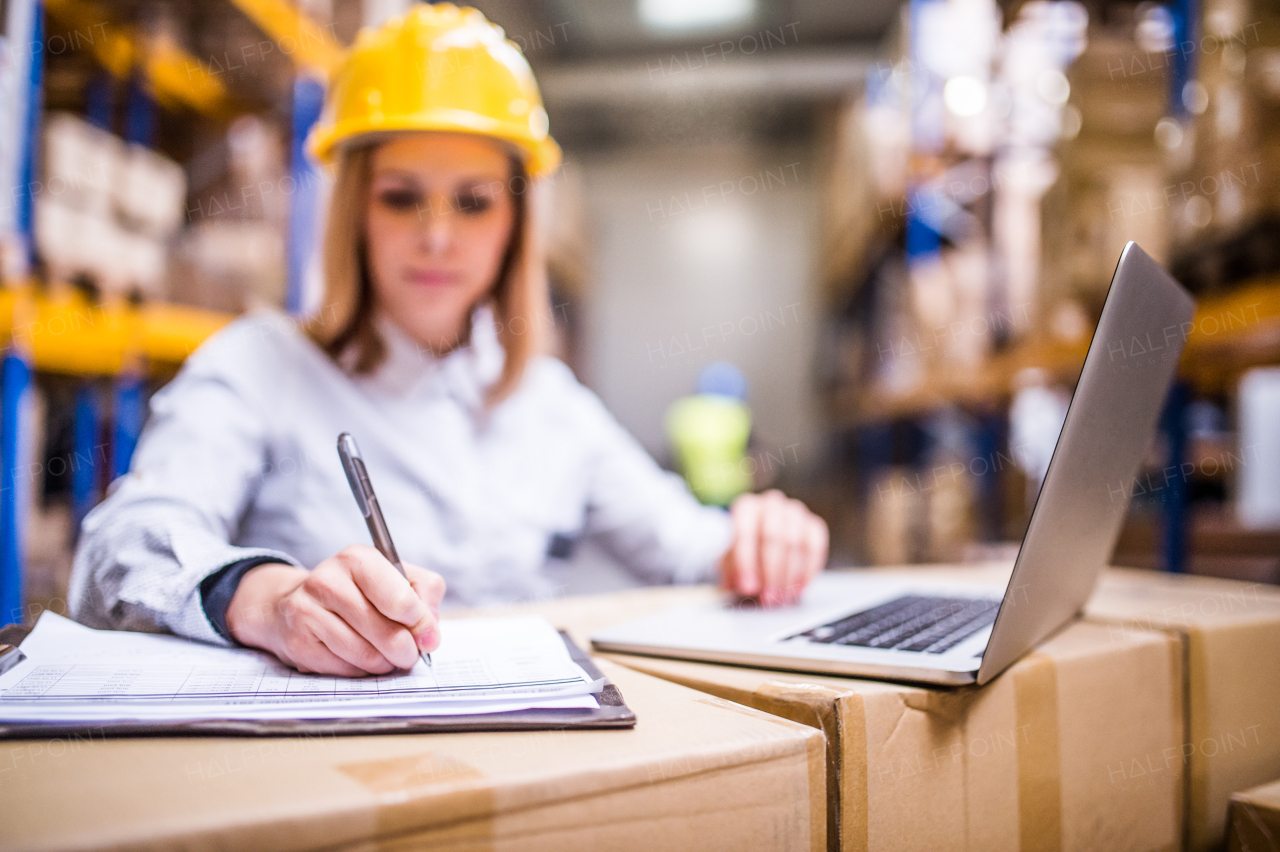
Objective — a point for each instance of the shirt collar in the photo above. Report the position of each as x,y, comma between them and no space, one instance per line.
465,373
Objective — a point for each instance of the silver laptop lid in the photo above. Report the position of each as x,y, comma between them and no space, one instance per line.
1110,423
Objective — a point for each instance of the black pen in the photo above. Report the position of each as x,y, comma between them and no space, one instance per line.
362,488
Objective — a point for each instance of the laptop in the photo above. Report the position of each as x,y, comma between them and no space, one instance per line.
921,630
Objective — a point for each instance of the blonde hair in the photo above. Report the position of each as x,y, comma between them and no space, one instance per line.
519,295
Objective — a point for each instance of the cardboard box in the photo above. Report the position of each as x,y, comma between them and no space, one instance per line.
696,773
142,263
1231,641
1230,636
61,236
81,164
72,241
1258,411
1044,757
150,192
229,265
1255,820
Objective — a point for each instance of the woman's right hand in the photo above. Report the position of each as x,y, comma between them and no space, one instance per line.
352,615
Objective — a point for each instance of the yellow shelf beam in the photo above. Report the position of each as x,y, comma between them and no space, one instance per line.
172,332
68,334
1233,332
311,47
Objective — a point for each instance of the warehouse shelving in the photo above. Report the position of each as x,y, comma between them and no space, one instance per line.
1232,332
70,335
53,329
176,77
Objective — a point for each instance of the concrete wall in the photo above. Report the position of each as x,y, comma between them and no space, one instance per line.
701,255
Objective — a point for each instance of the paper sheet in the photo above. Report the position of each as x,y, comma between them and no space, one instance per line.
484,665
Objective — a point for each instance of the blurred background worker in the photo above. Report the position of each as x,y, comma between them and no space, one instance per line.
235,523
710,432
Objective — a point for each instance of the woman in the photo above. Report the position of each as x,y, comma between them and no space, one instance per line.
235,522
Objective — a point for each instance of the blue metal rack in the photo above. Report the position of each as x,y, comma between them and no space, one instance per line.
308,99
15,375
84,469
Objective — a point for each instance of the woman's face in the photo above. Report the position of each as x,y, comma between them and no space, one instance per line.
437,224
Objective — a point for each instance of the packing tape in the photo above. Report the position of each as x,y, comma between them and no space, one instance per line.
819,707
841,714
853,785
1201,825
416,789
1180,677
1035,693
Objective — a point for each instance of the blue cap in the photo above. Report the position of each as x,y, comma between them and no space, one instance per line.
723,379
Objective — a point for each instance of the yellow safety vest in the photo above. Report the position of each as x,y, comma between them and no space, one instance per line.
709,433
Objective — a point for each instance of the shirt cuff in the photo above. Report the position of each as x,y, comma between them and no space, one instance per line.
217,590
703,556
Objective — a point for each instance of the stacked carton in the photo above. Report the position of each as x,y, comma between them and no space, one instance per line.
1029,761
1129,729
105,208
696,774
1228,633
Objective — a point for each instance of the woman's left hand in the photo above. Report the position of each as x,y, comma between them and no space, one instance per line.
778,546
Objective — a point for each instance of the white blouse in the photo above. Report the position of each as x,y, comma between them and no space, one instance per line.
239,459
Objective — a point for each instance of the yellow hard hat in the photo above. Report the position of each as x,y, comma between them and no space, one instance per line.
440,68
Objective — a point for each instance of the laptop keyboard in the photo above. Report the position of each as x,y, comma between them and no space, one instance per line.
909,623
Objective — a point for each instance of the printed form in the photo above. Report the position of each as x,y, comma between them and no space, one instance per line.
484,665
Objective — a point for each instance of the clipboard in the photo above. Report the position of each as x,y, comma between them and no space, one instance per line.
613,713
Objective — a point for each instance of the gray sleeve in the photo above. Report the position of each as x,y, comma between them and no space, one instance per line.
645,516
169,522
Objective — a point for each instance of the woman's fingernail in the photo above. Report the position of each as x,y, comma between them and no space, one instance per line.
427,639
